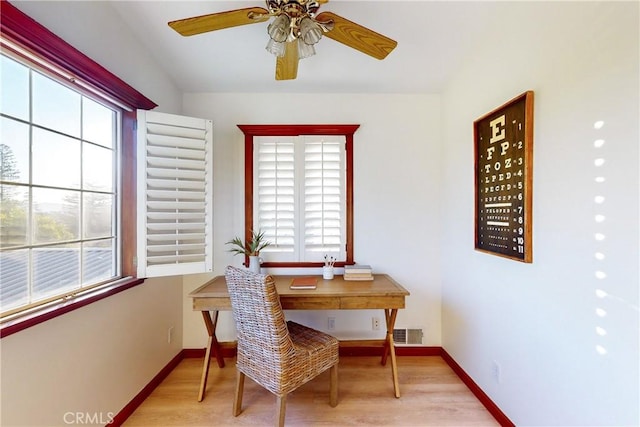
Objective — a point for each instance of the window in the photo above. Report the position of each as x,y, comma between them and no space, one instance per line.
299,192
67,186
58,181
300,196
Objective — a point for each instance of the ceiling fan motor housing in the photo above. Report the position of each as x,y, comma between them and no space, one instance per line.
293,8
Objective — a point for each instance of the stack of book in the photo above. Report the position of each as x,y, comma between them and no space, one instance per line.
357,272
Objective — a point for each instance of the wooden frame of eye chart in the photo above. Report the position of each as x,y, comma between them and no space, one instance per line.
503,152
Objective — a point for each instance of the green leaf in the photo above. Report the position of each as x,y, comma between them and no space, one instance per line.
250,248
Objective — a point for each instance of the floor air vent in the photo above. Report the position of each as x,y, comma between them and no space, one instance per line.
407,336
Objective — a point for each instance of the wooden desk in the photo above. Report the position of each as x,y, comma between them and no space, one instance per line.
381,293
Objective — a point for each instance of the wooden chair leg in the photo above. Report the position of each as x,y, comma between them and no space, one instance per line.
281,402
333,387
237,400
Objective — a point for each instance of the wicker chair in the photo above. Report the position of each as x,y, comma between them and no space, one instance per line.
278,355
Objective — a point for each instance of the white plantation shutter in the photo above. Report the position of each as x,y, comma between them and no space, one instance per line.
299,196
324,197
174,194
276,194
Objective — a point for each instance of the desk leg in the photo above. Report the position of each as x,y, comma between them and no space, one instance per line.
389,349
211,324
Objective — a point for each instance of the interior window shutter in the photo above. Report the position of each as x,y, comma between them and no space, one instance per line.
323,192
175,194
275,187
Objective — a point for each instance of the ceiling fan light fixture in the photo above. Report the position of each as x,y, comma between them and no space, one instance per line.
310,31
305,50
278,29
276,48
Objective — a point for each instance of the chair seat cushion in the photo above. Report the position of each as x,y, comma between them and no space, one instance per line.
312,340
315,353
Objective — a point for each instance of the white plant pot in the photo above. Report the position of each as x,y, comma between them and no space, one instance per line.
254,264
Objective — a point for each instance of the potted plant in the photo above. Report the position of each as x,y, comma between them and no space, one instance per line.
250,248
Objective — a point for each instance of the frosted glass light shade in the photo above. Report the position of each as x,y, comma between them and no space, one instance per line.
305,50
310,31
276,48
278,29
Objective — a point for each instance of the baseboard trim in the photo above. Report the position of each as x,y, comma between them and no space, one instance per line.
477,391
228,349
126,412
347,348
374,348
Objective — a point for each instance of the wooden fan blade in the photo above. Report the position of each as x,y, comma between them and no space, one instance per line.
287,65
219,21
358,37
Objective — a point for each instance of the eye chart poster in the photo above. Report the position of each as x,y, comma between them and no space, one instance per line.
503,144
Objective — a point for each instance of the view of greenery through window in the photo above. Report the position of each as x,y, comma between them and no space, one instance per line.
58,174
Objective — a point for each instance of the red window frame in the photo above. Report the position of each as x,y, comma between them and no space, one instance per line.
250,131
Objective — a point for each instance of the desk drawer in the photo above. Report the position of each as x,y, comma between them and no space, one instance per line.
383,302
309,303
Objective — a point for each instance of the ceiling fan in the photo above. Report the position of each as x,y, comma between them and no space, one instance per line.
294,30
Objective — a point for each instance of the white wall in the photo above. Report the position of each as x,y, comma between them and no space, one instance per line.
396,170
93,360
538,321
96,29
96,359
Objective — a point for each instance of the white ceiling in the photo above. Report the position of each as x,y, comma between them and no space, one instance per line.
433,39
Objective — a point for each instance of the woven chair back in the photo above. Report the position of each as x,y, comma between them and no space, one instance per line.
263,338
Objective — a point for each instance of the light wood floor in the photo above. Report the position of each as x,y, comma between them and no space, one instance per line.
431,395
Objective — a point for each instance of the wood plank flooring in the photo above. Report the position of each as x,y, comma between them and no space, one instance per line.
431,395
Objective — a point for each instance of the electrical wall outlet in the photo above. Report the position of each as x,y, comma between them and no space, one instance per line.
170,335
495,371
375,323
331,323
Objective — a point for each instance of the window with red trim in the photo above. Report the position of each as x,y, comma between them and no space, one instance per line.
299,192
66,232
